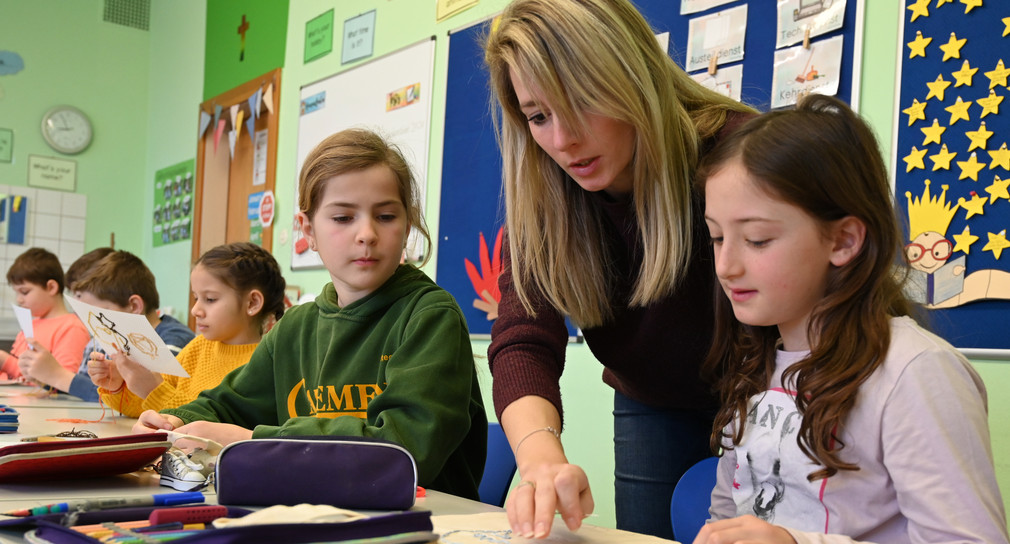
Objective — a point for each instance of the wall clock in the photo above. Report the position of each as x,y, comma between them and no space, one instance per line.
67,129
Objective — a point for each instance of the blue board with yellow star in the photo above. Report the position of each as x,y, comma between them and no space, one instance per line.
953,166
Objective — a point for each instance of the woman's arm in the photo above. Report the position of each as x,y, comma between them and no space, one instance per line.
549,482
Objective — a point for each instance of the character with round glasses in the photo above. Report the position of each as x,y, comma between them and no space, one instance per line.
938,278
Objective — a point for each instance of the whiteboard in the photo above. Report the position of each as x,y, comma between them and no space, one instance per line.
371,95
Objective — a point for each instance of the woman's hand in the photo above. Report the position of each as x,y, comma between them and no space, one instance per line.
103,372
222,433
138,378
549,483
153,422
544,489
743,529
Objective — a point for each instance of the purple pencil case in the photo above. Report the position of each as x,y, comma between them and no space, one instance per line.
346,472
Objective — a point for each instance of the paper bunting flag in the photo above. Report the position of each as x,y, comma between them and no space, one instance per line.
217,113
254,101
238,124
250,128
204,123
217,133
268,98
231,143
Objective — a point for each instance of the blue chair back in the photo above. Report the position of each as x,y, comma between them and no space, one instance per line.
499,468
691,499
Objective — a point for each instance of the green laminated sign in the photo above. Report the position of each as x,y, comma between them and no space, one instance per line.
319,36
173,203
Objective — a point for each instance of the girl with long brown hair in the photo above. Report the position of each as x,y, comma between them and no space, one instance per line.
841,419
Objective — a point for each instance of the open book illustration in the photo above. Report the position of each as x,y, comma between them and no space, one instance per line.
129,333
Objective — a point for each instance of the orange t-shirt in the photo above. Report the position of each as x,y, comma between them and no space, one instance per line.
64,336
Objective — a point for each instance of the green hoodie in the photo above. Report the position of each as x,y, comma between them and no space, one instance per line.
396,365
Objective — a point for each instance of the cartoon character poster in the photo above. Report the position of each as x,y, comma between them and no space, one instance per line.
953,165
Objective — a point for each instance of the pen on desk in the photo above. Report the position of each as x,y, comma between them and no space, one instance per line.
164,499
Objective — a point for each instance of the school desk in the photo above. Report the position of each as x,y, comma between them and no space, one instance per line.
466,521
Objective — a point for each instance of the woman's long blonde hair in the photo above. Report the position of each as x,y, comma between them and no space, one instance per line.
599,56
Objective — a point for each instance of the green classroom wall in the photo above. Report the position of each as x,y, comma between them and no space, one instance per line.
228,61
145,107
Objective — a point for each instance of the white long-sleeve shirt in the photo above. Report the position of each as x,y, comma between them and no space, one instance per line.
918,432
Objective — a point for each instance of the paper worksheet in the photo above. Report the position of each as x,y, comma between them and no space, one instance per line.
129,333
493,528
24,316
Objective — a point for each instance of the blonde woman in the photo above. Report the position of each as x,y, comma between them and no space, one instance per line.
600,133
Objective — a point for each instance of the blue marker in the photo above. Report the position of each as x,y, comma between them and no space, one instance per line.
164,499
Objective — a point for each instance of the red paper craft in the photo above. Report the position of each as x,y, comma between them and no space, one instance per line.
88,458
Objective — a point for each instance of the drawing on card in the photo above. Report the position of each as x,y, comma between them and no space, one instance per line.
131,334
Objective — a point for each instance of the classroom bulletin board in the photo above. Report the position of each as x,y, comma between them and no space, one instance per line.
390,95
472,212
952,166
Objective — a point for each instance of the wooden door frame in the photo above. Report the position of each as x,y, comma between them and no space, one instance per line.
236,96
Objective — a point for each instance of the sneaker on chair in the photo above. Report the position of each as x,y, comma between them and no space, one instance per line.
182,473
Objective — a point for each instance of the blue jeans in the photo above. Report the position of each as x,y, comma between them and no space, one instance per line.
653,447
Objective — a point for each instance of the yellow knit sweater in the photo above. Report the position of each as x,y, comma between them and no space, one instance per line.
206,361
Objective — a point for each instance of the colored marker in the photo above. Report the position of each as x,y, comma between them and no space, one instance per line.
165,499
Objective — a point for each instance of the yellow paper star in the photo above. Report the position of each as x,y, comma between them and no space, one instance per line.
998,189
918,45
942,159
964,240
964,75
920,7
998,75
933,132
914,159
997,243
1006,21
1000,157
990,104
937,87
952,49
975,206
958,110
971,4
915,112
969,168
942,2
978,137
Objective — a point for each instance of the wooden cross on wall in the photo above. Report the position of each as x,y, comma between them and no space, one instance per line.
242,28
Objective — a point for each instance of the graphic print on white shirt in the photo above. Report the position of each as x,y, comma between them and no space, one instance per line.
771,474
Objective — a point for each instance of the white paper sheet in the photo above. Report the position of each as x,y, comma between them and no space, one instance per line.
24,316
129,333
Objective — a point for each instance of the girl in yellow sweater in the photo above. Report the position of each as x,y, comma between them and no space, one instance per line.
238,291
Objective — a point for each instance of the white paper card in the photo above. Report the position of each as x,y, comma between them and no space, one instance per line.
798,70
24,316
129,333
727,81
796,16
721,35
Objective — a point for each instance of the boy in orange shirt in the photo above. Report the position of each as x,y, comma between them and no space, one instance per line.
37,279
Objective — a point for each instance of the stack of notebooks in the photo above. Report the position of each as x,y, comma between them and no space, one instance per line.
8,419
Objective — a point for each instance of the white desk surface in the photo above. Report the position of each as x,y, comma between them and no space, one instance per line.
41,415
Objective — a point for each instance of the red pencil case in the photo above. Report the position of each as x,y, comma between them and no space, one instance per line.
87,458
